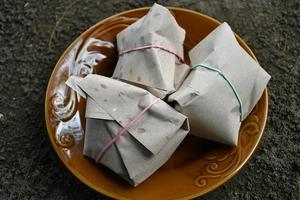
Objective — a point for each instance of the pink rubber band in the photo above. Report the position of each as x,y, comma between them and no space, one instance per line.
123,131
149,47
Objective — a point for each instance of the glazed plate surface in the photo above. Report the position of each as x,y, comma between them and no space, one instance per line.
197,167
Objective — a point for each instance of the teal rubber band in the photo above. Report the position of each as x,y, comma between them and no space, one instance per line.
228,81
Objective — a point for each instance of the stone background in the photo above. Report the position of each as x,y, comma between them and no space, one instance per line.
29,167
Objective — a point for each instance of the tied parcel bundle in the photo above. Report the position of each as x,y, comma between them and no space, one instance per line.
151,53
223,87
128,130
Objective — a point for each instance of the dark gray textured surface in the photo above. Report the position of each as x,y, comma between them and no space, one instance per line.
29,167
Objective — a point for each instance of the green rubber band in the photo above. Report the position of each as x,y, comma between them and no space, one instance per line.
228,81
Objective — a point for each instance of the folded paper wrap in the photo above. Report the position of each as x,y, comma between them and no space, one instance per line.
222,89
110,106
151,53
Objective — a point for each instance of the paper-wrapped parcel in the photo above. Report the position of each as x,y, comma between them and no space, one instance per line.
223,87
110,106
151,53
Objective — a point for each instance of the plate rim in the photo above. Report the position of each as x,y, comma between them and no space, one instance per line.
115,195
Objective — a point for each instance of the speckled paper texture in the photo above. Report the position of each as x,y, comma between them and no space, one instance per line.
158,71
147,145
207,99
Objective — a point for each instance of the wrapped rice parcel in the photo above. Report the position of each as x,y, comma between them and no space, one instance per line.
128,130
223,87
151,53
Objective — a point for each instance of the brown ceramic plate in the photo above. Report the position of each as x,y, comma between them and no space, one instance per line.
197,167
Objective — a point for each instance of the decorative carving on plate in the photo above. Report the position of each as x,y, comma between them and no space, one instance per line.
63,107
220,166
66,140
85,56
70,132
